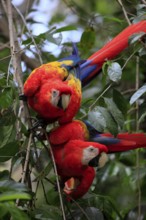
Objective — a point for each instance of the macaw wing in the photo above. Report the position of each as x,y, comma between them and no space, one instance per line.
73,62
115,145
123,141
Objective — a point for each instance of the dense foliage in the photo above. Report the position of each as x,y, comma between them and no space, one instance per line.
110,102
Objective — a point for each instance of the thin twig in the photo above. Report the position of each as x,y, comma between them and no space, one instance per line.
26,162
50,153
3,46
14,48
143,1
33,40
26,158
44,192
26,12
94,103
49,181
137,152
128,60
128,91
37,186
124,11
82,210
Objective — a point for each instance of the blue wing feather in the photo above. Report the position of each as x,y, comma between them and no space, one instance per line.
83,69
96,136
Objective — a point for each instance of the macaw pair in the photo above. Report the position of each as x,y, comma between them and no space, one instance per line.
53,90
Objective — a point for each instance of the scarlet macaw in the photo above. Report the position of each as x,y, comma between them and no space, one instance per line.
71,140
72,160
55,94
76,156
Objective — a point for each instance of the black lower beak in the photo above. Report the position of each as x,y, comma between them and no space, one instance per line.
94,162
59,105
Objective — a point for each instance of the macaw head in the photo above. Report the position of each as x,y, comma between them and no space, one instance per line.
53,90
75,187
94,155
56,100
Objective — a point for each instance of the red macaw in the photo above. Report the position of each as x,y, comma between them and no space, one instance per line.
72,160
54,93
71,140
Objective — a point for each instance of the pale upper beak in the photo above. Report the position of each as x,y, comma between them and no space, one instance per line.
60,100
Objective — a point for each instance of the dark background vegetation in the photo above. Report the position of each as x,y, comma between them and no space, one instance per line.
26,176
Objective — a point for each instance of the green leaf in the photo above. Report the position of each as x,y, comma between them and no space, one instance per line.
42,37
49,35
44,172
55,40
47,212
142,118
66,28
97,120
111,18
8,134
8,151
135,37
114,72
87,40
9,185
120,101
93,213
137,94
10,211
102,118
6,98
142,52
111,124
115,112
7,196
8,118
4,175
53,197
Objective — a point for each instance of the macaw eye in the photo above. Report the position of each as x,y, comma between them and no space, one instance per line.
91,149
55,93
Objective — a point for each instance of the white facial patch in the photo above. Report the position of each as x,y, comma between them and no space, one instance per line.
89,153
55,97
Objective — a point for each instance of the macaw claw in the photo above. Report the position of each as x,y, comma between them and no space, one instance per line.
23,97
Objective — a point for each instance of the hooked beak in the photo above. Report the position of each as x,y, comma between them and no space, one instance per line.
98,161
63,101
60,100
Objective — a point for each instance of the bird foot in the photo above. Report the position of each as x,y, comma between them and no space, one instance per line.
23,97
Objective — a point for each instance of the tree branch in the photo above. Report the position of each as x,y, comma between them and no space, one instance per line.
124,11
56,174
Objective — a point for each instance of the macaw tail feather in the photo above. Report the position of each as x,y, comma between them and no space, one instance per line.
122,142
127,142
109,51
